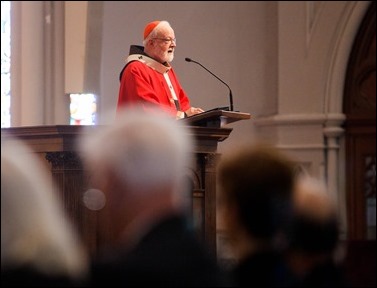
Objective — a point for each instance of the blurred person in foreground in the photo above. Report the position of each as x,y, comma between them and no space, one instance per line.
148,77
139,164
256,188
312,253
39,246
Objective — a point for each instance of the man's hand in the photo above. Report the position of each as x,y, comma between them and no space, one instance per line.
193,111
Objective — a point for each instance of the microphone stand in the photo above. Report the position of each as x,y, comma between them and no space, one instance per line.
230,91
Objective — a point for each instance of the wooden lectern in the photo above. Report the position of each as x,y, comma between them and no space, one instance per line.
56,146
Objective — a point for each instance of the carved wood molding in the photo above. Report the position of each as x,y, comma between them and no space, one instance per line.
64,160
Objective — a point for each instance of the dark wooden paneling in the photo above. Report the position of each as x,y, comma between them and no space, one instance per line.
360,126
57,146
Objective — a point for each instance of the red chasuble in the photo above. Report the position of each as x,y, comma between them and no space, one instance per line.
143,82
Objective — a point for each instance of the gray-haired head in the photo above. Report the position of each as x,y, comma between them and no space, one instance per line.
144,150
35,230
153,29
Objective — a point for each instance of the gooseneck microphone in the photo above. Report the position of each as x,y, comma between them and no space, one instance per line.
230,91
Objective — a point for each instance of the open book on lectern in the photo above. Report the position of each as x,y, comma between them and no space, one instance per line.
216,117
226,108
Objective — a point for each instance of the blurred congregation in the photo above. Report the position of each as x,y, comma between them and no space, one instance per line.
277,192
282,225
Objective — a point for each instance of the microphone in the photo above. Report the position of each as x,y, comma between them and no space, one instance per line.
230,91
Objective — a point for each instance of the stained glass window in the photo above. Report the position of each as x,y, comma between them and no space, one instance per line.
83,109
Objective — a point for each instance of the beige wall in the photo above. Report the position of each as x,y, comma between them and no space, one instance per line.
75,45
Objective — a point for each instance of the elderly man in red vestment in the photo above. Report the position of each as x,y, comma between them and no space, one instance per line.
148,79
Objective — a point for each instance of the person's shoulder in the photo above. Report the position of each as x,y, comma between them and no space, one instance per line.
135,65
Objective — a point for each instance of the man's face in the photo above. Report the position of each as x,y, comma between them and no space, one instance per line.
164,45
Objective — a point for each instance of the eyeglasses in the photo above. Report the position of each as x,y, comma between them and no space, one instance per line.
167,40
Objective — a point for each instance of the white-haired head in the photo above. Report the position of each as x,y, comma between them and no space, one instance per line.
153,29
144,151
160,41
35,230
